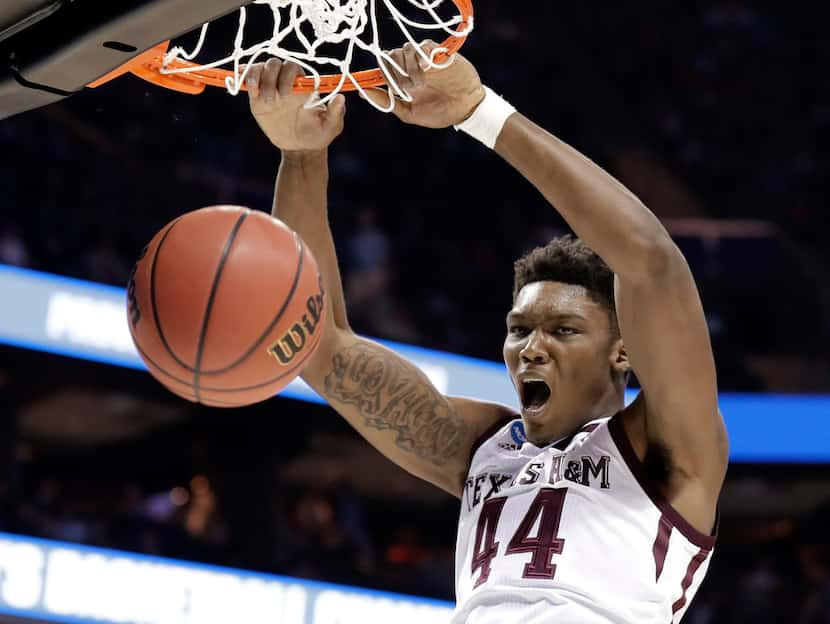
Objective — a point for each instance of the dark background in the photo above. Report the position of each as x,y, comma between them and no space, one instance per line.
716,114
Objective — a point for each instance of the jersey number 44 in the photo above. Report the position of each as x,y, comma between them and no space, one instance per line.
547,509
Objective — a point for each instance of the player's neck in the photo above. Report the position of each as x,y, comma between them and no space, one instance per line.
563,425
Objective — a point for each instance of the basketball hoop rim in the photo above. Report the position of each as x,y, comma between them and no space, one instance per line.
148,66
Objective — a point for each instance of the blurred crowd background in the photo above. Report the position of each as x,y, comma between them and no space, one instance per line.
716,114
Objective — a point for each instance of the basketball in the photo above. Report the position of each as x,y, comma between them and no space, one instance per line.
225,306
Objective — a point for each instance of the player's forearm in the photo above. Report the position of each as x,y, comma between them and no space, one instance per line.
606,215
301,202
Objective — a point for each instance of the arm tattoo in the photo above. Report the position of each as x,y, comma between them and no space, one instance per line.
391,397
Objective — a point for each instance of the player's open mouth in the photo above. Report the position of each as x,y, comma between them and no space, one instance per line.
535,394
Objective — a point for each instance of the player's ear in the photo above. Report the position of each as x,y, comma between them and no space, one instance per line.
618,358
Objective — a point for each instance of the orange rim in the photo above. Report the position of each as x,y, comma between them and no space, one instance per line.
148,66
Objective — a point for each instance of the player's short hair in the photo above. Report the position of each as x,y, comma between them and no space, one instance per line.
568,260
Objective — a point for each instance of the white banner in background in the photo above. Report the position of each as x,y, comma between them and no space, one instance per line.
60,582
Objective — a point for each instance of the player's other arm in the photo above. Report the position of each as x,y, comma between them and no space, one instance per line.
661,318
659,309
388,400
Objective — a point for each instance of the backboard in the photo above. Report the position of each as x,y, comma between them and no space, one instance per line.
50,49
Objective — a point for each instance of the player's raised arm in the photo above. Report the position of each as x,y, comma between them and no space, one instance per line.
658,306
388,400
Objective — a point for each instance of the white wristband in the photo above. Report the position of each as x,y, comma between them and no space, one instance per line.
487,121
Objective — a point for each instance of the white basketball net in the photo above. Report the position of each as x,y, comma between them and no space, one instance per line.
350,22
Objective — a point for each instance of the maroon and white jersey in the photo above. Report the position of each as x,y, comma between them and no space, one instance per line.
571,533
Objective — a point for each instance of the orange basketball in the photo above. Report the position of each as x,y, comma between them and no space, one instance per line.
225,306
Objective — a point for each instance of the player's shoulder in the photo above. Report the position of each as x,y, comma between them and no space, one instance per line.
483,419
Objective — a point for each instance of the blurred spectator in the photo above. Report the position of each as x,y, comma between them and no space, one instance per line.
321,547
817,571
369,251
13,249
202,519
372,306
406,549
368,259
104,263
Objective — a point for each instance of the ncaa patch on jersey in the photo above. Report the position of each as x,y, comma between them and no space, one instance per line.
517,432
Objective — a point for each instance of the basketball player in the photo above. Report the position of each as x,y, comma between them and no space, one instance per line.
578,510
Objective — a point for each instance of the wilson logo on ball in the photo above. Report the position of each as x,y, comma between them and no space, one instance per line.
133,311
287,347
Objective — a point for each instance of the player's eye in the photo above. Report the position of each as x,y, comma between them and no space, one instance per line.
517,330
565,331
